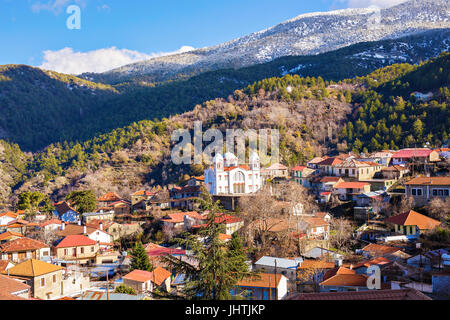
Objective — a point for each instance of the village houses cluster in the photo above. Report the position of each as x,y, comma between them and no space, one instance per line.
73,256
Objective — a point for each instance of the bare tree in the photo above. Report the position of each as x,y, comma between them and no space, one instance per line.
260,214
439,209
405,205
341,233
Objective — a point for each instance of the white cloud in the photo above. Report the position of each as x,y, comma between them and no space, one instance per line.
55,6
101,60
373,3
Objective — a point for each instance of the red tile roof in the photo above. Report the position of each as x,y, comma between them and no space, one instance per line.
380,249
22,244
154,250
9,214
109,197
298,168
157,276
351,185
346,280
431,181
410,153
179,216
49,222
9,235
75,241
245,167
329,162
338,270
330,179
413,218
143,193
316,264
263,280
139,276
160,275
376,261
10,285
402,294
3,265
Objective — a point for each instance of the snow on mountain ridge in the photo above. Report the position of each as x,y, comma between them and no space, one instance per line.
306,34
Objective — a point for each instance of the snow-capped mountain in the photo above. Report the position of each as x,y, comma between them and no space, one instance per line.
307,34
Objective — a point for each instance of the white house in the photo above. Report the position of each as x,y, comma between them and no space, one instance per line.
7,217
226,176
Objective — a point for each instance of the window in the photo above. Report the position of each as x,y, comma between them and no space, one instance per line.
54,278
92,249
416,191
82,250
440,192
66,252
42,282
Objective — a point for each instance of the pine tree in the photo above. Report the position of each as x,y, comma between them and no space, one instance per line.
237,256
219,266
139,260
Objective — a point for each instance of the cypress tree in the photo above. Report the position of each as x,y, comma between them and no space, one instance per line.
139,260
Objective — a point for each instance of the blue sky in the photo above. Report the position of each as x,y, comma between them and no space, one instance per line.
34,32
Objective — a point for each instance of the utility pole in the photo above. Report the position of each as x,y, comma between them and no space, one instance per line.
107,285
276,289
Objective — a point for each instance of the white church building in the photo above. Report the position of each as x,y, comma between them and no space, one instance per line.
226,176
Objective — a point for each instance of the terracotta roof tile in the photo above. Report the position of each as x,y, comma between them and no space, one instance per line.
262,280
431,181
33,268
3,265
10,285
402,294
22,244
75,241
110,196
409,153
351,185
160,275
178,217
329,162
8,235
413,218
139,276
347,280
379,249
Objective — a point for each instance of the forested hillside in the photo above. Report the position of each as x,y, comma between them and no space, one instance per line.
40,108
314,116
391,116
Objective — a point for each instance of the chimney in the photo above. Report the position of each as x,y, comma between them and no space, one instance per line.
101,226
63,225
84,229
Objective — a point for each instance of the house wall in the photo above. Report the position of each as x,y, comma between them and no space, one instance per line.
424,194
138,286
289,273
68,253
75,283
21,256
5,220
52,288
441,283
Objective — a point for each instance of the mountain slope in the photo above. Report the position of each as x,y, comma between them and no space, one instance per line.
314,118
307,34
39,108
35,103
